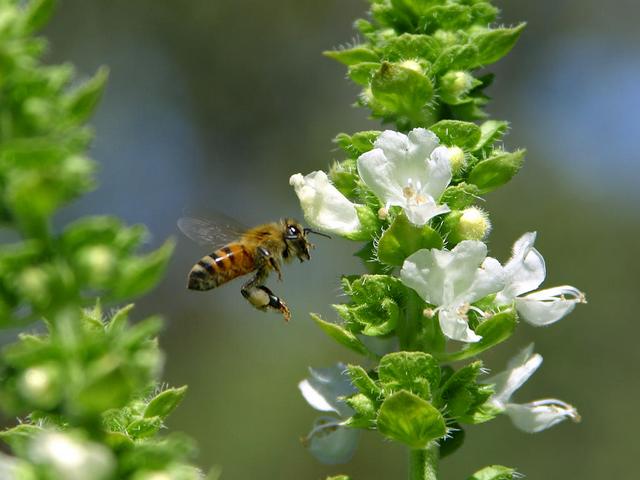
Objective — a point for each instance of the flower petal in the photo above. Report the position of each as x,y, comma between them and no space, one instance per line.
525,269
378,173
421,214
438,172
323,205
455,326
331,442
325,387
519,369
545,307
489,278
537,416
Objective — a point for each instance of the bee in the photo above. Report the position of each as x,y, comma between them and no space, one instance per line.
261,249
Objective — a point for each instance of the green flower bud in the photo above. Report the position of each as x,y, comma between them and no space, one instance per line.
456,84
412,65
40,386
457,160
469,224
98,263
33,283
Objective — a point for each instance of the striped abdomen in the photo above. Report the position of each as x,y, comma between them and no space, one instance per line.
221,266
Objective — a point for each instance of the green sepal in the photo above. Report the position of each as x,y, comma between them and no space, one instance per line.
119,320
365,411
369,222
463,395
375,305
362,73
400,90
108,385
344,176
144,427
340,335
453,441
83,100
403,238
494,330
411,420
454,132
352,56
497,170
363,382
494,44
461,196
358,143
140,274
165,402
416,372
494,472
491,131
410,46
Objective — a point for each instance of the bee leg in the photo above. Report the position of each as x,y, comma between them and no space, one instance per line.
266,255
262,298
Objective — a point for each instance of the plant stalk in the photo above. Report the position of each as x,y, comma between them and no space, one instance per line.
423,464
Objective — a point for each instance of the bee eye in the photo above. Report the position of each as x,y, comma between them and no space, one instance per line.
293,231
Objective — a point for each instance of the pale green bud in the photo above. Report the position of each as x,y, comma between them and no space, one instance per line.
469,224
456,159
39,385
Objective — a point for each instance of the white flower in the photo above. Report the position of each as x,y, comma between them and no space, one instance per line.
72,459
323,205
525,272
330,441
410,171
452,280
534,416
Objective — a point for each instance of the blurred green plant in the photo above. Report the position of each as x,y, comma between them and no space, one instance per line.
85,386
410,195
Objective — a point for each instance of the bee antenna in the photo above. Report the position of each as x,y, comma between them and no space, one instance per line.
308,230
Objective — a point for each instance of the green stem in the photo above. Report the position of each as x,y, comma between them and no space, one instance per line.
423,464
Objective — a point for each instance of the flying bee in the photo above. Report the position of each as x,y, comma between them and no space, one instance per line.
260,249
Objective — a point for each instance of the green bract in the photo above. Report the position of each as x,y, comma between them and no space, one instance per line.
89,382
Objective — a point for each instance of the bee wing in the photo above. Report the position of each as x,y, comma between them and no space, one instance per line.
211,232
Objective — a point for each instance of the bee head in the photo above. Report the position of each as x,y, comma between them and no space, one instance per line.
295,237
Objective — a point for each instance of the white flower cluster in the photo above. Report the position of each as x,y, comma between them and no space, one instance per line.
412,171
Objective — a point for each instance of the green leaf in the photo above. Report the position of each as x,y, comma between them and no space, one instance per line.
494,44
494,330
463,395
140,274
454,132
84,99
409,419
340,335
119,319
19,437
165,402
403,238
352,56
497,170
460,196
401,90
37,13
416,372
494,472
491,131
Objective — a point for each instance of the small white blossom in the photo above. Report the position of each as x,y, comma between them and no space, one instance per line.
534,416
323,205
452,280
329,440
410,171
72,459
525,272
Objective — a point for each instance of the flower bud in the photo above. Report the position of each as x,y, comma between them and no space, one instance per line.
411,65
98,263
40,386
456,159
33,283
469,224
456,84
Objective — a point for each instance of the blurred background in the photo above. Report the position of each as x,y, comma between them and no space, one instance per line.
214,104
